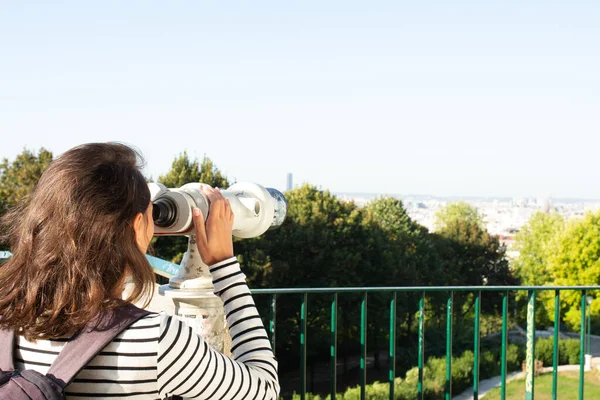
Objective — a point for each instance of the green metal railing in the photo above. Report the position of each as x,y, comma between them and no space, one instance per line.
477,291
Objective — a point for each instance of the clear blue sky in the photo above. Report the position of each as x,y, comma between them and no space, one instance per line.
431,97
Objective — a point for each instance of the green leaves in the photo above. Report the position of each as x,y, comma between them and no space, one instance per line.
18,178
458,212
183,170
471,255
554,252
536,243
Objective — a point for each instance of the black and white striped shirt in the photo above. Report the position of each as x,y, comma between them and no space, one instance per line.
160,355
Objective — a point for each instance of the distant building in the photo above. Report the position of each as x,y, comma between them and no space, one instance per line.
290,181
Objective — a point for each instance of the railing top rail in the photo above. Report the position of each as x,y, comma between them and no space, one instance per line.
417,289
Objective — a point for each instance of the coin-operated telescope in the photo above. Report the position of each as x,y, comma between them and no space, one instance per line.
256,209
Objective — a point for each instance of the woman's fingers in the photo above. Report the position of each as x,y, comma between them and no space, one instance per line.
215,198
215,237
198,219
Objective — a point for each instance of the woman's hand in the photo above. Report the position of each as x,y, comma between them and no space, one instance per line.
214,238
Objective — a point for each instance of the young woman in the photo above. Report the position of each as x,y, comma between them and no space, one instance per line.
85,228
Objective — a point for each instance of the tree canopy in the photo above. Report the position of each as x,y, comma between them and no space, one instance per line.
185,170
18,178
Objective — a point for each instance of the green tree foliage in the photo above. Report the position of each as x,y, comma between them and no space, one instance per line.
536,243
459,211
17,178
404,255
184,170
322,243
576,261
471,256
319,244
556,253
404,248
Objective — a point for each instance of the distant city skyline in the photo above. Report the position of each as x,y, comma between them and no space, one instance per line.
494,99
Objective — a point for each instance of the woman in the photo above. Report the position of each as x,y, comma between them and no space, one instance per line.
85,228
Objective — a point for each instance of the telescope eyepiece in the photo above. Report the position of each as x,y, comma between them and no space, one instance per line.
164,212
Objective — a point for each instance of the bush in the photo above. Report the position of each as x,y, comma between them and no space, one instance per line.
462,372
514,357
489,363
434,373
544,350
568,352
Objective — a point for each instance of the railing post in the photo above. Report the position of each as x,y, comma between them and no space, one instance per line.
363,346
333,387
530,359
582,344
392,358
421,345
449,316
303,313
273,320
556,355
476,346
504,345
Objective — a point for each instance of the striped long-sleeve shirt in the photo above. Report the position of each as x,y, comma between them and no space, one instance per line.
160,355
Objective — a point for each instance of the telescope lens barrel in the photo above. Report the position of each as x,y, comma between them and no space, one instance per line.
281,206
164,212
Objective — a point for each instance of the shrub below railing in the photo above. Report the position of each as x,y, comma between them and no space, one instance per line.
434,372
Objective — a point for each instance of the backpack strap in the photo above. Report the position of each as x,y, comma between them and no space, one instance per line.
7,338
83,347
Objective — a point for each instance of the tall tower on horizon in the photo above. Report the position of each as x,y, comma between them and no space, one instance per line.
290,181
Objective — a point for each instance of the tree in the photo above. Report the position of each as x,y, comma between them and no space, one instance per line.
318,244
576,261
403,255
406,256
536,242
462,211
184,170
472,256
18,178
322,243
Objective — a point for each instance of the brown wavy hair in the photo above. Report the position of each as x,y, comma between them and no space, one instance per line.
73,241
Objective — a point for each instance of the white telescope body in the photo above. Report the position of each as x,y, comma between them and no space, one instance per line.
256,209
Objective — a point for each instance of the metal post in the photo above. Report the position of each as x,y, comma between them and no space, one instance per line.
392,368
303,324
421,359
582,345
333,387
363,346
504,342
448,391
556,355
589,312
273,321
476,346
530,358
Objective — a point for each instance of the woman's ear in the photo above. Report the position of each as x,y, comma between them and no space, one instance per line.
140,230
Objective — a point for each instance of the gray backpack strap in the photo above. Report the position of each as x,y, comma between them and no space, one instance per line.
82,348
7,338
